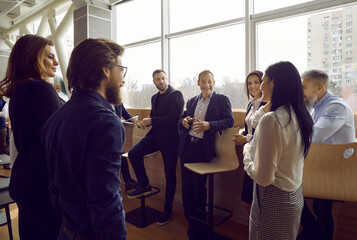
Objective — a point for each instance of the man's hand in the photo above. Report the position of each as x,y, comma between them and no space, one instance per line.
145,122
200,126
186,121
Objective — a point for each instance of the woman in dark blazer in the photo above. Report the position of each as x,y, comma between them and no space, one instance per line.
33,100
254,94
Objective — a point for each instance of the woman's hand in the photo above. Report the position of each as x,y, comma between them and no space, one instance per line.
239,139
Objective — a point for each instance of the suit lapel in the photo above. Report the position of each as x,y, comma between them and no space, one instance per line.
211,106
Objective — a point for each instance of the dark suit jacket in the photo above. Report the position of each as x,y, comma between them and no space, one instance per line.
219,115
165,117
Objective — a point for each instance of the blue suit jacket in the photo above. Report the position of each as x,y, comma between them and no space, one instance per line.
219,115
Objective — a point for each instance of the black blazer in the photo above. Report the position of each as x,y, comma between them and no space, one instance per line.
219,115
250,104
164,118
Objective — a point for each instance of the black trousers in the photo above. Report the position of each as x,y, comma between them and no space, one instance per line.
125,169
322,227
37,220
146,146
194,192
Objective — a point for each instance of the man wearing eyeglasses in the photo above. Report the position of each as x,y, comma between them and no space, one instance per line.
166,109
84,142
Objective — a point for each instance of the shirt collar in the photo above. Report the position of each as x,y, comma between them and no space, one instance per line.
323,100
200,97
96,95
258,101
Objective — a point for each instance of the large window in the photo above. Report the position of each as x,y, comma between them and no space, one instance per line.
304,41
219,51
214,35
141,62
138,20
186,14
264,5
279,41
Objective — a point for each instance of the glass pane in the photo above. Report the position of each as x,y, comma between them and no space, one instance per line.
264,5
222,51
141,62
138,20
319,41
186,14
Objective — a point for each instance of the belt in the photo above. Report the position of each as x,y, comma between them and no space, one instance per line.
195,139
76,235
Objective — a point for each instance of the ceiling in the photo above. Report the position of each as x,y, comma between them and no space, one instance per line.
16,12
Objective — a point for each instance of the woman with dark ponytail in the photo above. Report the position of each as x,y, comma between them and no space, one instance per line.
275,159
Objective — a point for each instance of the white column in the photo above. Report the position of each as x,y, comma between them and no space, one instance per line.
9,43
57,38
42,28
164,41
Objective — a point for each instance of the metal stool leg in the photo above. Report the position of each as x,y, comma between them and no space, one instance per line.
7,210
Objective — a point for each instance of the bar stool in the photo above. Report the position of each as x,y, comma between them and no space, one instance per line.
225,161
329,173
5,201
142,216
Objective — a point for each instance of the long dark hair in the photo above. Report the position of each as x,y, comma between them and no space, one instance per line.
25,62
257,73
288,92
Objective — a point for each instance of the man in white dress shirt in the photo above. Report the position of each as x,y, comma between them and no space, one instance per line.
333,124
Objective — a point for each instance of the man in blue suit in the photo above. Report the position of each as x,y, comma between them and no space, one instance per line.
206,114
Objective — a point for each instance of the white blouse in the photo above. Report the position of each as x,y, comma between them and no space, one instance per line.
252,118
276,154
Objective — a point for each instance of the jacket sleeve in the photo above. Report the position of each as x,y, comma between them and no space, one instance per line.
226,117
102,180
333,118
175,110
262,161
185,114
125,113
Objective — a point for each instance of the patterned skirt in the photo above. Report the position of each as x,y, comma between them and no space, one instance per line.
275,213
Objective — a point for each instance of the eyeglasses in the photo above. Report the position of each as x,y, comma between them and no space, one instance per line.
125,69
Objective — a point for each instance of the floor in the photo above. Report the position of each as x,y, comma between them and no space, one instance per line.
174,230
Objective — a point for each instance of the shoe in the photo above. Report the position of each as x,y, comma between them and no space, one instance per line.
130,184
164,218
140,191
304,235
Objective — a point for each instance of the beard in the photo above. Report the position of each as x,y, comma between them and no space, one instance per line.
113,94
311,102
161,87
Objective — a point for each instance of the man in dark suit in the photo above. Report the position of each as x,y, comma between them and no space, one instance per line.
206,114
166,109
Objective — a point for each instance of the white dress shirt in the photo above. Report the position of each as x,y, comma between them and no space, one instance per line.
276,154
252,118
200,113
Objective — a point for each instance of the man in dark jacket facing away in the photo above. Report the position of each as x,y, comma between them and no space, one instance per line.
166,109
84,142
